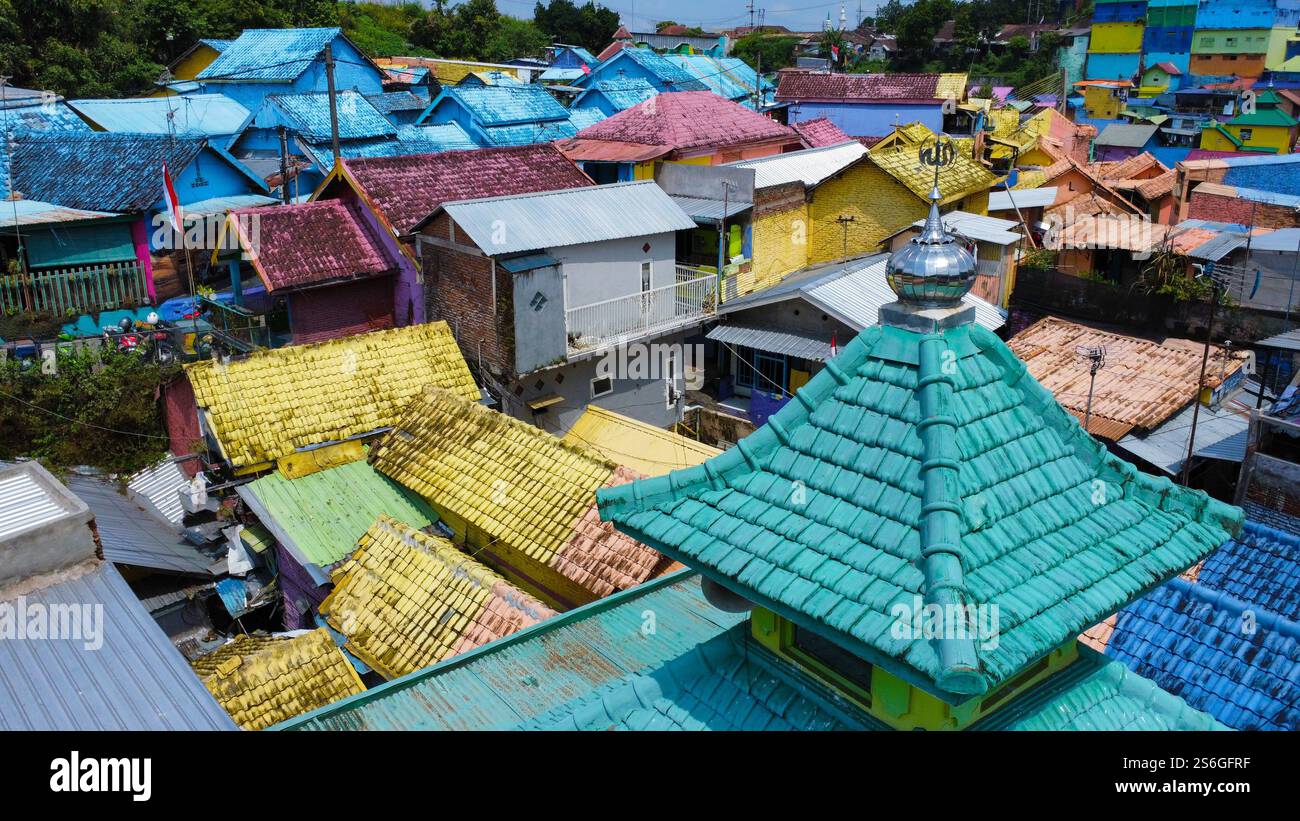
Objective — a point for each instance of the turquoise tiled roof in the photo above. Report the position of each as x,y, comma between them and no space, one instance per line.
819,515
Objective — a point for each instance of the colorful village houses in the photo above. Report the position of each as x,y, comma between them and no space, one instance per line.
1267,128
261,62
692,127
1246,190
540,287
889,484
398,193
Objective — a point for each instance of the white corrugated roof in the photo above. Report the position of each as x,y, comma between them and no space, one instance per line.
857,296
1023,198
977,227
810,166
35,212
25,503
574,216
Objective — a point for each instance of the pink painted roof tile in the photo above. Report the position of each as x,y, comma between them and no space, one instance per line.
300,245
684,120
864,88
820,132
602,559
408,189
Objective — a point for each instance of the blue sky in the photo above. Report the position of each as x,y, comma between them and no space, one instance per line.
799,15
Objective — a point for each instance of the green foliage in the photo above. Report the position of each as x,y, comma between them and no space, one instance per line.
475,30
61,419
589,25
777,52
1166,274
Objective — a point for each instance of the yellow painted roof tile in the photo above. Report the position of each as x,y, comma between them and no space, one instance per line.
517,483
263,680
951,86
962,177
274,402
644,448
406,600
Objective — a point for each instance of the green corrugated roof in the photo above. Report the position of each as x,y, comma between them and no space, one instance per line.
819,514
319,517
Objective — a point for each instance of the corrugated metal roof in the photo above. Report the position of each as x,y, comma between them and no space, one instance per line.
132,536
157,489
707,210
1119,135
135,681
204,114
25,503
810,166
216,206
1283,240
1220,434
538,669
34,212
852,292
1021,198
772,341
554,219
1290,340
319,517
978,227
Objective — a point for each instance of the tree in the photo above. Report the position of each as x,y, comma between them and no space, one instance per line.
590,26
777,51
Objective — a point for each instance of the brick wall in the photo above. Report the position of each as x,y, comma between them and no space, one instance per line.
888,207
458,289
1234,209
780,232
318,314
182,416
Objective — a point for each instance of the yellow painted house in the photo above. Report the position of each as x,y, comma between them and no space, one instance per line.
1116,38
808,211
187,66
1104,99
1268,129
1281,41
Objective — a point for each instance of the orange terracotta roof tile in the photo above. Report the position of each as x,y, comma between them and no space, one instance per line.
602,559
1143,384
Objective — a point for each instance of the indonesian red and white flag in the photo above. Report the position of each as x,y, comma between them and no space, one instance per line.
835,54
586,69
170,200
835,349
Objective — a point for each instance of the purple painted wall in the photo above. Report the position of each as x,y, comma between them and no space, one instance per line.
301,595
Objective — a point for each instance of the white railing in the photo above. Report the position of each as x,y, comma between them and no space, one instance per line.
659,310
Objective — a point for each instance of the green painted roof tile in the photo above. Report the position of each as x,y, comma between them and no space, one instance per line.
818,514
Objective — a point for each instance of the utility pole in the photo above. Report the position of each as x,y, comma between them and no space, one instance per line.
1206,270
334,108
1096,356
284,165
750,8
844,220
758,81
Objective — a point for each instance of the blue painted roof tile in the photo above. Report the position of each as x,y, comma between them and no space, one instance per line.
269,54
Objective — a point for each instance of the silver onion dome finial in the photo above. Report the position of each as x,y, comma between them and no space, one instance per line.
933,269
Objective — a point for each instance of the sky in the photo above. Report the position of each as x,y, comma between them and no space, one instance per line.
798,15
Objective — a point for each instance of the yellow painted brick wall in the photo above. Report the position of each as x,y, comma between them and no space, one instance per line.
976,203
779,244
878,203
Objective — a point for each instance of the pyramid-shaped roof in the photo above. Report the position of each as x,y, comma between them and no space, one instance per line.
926,463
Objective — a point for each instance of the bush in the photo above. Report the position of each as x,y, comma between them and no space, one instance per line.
100,410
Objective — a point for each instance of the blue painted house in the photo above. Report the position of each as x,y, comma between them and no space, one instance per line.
644,64
261,62
611,96
504,115
571,64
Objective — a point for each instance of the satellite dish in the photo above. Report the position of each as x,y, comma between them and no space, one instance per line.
723,599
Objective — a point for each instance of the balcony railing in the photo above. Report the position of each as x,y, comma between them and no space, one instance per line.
626,318
84,289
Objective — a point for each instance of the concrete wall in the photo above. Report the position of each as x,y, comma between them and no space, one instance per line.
604,270
539,318
50,545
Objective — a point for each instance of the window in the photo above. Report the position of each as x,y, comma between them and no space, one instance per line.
835,660
601,386
1246,134
647,271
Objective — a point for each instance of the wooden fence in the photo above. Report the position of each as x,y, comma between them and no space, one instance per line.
86,289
